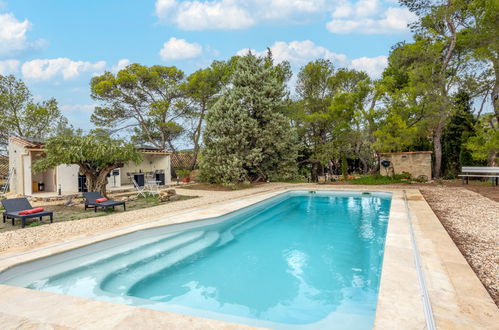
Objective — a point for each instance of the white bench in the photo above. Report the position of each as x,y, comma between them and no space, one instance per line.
480,172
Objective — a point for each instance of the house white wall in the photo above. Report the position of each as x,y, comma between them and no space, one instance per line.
67,178
150,162
67,175
16,153
26,176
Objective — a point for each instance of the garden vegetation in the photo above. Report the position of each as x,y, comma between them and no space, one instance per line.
246,123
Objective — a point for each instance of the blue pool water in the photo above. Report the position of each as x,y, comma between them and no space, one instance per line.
300,259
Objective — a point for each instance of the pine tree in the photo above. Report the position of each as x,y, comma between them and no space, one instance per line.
458,130
247,136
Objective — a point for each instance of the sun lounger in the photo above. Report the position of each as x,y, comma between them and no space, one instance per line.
91,201
15,208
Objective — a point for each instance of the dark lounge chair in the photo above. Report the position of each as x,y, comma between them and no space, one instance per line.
15,205
90,202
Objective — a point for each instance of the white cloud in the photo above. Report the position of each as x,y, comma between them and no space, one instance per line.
3,5
299,53
367,17
179,49
87,108
13,34
123,63
373,66
235,14
9,67
44,69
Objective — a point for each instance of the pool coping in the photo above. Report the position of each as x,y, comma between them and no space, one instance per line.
458,298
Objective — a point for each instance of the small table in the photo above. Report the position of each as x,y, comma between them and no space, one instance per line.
152,187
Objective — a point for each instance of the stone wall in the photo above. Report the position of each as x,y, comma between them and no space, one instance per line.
417,163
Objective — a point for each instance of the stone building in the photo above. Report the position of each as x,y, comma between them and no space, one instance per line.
417,163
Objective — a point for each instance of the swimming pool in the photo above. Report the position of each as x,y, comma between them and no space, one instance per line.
299,259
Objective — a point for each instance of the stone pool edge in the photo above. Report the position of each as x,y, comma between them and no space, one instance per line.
399,302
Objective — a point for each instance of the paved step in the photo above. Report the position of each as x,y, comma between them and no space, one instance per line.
132,274
116,258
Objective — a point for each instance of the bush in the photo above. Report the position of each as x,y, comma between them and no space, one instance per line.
403,175
377,179
237,186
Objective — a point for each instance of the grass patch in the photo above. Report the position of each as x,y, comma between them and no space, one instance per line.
378,179
77,212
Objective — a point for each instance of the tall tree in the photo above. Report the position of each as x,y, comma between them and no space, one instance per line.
481,36
333,116
147,100
485,144
202,87
458,130
21,116
355,113
433,63
247,136
311,113
96,155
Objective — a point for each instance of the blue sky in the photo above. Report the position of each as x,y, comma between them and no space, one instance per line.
57,46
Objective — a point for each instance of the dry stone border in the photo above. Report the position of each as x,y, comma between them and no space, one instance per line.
473,223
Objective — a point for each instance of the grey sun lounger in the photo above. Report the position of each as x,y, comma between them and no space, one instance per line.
15,205
90,202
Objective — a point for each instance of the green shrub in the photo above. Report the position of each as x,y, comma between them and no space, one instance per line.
380,179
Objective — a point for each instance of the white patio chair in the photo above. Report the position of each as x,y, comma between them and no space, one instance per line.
141,191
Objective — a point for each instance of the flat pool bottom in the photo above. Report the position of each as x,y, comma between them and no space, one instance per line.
297,259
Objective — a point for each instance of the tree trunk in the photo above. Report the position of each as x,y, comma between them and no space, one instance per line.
91,180
437,146
492,159
314,174
344,166
100,185
196,137
495,91
364,165
97,180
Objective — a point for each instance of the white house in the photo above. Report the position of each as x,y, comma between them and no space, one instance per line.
23,152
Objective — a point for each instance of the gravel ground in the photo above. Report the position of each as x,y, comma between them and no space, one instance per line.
471,220
473,223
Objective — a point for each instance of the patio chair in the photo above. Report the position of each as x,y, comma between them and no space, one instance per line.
91,201
14,208
141,191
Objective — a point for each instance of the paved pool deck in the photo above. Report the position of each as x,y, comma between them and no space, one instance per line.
458,298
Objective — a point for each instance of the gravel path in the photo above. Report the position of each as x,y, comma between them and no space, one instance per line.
473,223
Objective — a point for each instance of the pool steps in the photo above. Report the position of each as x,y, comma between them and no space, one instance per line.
147,256
132,275
117,258
132,279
